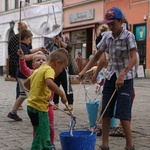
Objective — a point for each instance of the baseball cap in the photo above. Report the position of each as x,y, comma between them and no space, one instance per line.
112,14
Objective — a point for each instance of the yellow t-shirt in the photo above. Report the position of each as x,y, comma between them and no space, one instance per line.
39,93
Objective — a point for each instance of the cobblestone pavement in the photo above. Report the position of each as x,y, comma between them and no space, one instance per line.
18,135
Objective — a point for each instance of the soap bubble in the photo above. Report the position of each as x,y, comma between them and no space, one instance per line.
43,20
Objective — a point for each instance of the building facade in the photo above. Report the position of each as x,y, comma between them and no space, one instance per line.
81,19
10,13
81,24
137,13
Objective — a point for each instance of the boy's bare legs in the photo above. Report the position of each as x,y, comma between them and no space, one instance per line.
17,104
128,134
105,131
13,113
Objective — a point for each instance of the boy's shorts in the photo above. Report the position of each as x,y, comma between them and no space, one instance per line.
23,90
123,97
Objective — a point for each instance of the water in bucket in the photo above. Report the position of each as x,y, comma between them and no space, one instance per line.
92,110
81,140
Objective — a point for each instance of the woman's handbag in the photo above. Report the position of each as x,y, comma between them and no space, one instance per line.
73,67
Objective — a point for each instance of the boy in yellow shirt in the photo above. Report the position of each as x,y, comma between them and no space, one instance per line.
40,84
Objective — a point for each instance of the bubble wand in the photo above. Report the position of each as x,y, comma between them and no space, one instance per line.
56,25
99,120
72,122
20,26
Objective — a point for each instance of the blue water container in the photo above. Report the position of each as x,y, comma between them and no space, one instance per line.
113,120
92,110
81,140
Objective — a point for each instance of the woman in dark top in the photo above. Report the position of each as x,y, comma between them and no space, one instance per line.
12,52
63,77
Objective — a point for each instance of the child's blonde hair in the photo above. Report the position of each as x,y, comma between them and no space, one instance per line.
60,54
22,26
37,54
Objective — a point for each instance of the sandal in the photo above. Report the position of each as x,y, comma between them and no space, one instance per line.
70,108
117,132
127,148
103,148
55,107
99,131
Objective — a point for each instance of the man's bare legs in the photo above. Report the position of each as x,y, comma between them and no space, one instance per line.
105,131
128,134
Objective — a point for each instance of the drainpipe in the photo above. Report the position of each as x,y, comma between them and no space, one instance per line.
1,70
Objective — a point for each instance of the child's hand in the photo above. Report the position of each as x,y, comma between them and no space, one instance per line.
94,78
81,75
59,39
63,99
43,49
20,53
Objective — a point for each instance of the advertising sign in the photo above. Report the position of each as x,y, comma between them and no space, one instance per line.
140,71
140,33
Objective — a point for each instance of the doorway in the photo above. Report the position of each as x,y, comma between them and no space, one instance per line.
142,53
82,42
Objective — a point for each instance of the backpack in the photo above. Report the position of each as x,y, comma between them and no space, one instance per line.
73,67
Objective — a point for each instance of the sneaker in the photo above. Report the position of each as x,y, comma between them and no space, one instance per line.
127,148
14,116
53,147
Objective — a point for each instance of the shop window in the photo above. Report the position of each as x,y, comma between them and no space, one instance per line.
28,1
78,40
16,4
6,5
39,1
78,36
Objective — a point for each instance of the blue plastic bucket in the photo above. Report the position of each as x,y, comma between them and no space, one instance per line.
92,110
81,140
113,121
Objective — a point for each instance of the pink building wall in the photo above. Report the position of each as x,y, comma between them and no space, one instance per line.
135,10
97,6
70,2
